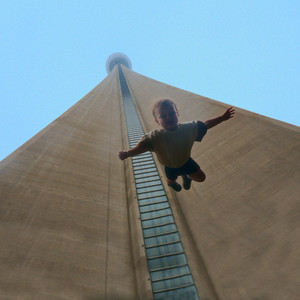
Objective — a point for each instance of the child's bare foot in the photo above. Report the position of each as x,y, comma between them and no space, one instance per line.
175,186
186,182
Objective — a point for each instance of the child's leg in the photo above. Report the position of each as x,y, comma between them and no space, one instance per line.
198,176
171,175
169,181
171,178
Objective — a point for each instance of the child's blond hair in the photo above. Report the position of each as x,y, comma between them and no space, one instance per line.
160,103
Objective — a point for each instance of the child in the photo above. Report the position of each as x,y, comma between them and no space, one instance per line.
173,143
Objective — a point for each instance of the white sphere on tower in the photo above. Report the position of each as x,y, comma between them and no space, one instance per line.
116,59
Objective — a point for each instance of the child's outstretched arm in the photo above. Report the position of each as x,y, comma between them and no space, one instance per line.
226,116
138,149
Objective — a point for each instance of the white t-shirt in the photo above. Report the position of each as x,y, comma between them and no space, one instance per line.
173,148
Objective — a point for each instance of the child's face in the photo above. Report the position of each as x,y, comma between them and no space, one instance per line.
167,117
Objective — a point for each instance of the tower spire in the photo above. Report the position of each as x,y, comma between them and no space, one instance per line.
117,58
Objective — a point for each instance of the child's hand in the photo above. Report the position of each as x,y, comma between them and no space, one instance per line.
228,114
123,155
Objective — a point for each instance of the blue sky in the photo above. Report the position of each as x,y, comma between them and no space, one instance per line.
52,53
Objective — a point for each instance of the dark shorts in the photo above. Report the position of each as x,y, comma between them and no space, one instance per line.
188,168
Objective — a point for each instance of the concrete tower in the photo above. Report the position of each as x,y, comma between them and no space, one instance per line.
77,223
